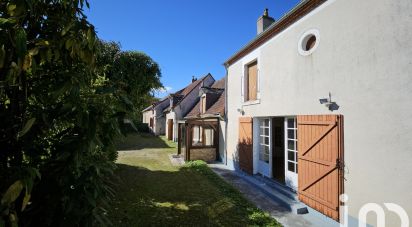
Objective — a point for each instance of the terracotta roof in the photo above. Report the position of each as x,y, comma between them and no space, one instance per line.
218,107
219,84
154,104
182,94
303,8
195,111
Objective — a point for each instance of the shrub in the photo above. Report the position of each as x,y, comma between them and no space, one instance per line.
61,107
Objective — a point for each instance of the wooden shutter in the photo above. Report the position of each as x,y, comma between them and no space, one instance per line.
151,122
170,129
320,162
245,144
252,81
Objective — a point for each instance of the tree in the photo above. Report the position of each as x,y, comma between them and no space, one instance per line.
130,73
60,109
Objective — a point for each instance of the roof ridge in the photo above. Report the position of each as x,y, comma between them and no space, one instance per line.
197,81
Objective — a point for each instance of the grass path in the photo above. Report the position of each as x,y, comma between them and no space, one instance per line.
152,192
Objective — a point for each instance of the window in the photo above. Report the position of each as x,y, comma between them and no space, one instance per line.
197,135
264,144
291,145
203,136
251,82
209,134
308,42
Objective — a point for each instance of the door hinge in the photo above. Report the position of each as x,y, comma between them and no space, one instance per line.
340,164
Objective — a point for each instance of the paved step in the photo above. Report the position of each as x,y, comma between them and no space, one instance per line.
275,191
285,203
278,187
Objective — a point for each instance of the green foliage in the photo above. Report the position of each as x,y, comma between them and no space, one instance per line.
153,192
132,76
60,106
256,217
142,127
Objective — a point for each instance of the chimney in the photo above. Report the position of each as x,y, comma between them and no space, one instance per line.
194,79
264,22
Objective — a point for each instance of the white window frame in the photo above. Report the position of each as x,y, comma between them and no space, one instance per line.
295,141
304,38
262,144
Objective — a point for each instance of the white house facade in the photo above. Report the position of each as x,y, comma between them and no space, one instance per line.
324,96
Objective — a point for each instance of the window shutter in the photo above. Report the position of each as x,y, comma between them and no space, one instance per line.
252,81
245,144
321,162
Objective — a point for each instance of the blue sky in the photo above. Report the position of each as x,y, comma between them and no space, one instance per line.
186,37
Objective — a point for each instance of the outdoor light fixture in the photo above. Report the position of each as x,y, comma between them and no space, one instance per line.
241,111
328,103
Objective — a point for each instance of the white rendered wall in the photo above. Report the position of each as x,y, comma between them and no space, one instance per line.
364,59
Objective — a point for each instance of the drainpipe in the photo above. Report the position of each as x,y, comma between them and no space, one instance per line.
225,118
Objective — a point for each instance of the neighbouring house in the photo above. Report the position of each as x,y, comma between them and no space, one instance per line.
320,101
154,117
181,102
201,132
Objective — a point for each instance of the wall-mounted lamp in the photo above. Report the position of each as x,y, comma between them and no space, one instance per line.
328,103
241,111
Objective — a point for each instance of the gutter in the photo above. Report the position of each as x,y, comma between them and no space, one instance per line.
276,23
205,117
225,117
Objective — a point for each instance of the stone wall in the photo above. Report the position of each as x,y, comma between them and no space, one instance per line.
205,154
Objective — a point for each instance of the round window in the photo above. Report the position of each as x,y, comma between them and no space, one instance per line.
308,42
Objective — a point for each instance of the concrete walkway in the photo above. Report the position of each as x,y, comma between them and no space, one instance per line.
176,160
275,199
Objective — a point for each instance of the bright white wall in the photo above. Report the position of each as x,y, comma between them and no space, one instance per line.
222,139
159,119
191,99
364,59
146,116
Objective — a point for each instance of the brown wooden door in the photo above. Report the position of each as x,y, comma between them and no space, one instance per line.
170,129
320,162
151,122
245,144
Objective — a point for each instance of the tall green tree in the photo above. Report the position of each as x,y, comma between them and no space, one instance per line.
60,105
132,74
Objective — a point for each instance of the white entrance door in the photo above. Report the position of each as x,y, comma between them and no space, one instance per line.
291,153
265,154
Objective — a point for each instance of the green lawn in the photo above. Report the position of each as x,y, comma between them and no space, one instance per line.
152,192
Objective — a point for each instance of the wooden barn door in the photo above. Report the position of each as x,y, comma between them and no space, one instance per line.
170,129
320,162
245,144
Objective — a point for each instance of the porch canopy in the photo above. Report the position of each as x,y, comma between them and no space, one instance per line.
199,139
